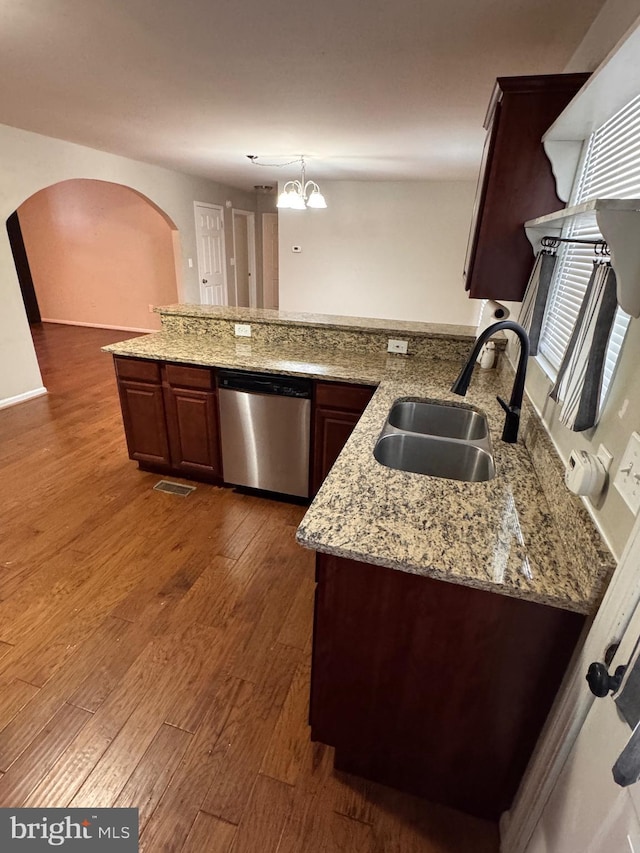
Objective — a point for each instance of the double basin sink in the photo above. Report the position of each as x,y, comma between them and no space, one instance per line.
436,438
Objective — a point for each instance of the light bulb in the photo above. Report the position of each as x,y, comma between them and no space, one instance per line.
284,199
296,201
316,199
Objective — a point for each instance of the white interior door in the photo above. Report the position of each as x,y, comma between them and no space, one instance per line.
244,258
571,710
588,812
212,268
270,260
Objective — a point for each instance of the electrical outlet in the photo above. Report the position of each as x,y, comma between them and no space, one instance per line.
397,346
243,330
627,479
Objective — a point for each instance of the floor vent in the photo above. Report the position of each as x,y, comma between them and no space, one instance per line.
174,488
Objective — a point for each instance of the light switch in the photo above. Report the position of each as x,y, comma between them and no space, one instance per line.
627,479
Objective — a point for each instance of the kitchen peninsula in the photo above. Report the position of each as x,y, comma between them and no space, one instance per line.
446,611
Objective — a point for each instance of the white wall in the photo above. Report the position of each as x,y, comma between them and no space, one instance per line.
391,249
611,23
28,163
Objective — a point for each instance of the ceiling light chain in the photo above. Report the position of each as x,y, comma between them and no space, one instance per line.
254,160
296,195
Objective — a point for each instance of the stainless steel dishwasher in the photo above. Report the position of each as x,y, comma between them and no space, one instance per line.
264,428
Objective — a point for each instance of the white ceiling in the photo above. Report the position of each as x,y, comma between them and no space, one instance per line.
373,90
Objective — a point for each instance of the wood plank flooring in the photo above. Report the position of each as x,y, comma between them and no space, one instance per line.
155,650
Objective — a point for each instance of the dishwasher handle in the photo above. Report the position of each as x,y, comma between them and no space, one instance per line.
265,383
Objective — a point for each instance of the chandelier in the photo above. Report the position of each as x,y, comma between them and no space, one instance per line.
298,195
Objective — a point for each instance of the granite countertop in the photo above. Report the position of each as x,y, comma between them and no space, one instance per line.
274,316
498,535
339,365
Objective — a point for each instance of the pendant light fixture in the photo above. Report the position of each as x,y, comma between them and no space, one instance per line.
299,195
296,195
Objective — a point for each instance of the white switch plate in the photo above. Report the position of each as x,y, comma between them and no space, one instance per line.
627,479
397,346
296,249
243,330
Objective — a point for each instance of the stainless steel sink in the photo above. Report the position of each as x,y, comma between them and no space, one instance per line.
437,457
438,418
436,438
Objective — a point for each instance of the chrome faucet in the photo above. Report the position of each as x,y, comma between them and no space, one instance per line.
512,420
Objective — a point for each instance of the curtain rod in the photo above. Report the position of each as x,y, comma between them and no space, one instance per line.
553,242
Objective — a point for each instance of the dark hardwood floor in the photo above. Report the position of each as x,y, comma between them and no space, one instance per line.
154,650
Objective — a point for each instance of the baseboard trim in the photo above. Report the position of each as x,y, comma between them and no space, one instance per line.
97,326
22,398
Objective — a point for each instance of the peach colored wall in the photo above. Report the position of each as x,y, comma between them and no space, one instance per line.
99,254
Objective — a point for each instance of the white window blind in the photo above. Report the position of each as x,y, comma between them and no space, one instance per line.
611,169
573,270
612,164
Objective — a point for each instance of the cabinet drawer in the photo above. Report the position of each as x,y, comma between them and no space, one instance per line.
137,368
190,377
342,396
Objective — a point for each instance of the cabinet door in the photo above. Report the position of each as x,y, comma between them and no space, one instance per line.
192,417
144,422
332,429
338,407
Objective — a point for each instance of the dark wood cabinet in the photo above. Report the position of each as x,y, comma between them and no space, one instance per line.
516,182
192,420
436,689
337,409
170,416
144,424
142,404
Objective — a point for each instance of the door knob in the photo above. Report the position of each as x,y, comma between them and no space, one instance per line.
599,680
205,280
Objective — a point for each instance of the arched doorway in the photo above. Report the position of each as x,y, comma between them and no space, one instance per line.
98,254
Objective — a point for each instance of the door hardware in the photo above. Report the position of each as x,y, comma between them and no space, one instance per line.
599,680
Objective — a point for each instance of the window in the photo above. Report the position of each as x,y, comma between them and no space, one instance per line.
611,169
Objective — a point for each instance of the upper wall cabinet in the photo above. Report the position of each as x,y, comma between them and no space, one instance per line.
515,184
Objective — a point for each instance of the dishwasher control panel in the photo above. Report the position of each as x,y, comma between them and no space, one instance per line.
265,383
